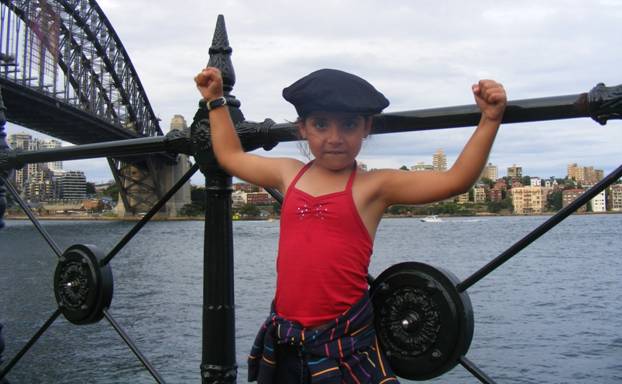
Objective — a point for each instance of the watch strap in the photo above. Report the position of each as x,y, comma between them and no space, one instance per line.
215,103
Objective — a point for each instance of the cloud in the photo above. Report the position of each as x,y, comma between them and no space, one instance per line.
419,53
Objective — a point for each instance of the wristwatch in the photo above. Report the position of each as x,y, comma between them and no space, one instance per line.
213,104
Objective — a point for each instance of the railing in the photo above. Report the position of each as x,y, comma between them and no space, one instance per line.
83,278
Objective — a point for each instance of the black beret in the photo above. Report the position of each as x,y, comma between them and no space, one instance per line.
332,90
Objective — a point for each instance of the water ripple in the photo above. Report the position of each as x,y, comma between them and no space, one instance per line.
551,314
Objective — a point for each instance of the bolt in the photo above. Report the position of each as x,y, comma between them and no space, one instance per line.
409,322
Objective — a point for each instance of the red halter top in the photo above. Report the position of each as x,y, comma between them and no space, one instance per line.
324,253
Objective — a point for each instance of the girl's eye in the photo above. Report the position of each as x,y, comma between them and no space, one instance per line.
320,125
349,126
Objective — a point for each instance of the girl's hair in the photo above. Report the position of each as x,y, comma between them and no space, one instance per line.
301,143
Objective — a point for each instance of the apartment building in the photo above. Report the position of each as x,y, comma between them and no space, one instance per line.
496,194
599,203
615,197
439,160
462,198
529,199
584,175
490,172
479,195
259,198
515,171
570,195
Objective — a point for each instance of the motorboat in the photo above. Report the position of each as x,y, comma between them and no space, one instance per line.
432,219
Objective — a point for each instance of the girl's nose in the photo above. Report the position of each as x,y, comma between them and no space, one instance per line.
334,134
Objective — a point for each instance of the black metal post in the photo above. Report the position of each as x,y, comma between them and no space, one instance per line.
218,359
218,363
4,173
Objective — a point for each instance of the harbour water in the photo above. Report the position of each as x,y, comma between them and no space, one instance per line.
552,314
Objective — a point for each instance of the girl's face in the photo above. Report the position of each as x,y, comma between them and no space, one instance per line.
335,139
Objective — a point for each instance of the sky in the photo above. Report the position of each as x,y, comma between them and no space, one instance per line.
420,54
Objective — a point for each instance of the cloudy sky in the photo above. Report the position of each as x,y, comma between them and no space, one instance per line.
420,54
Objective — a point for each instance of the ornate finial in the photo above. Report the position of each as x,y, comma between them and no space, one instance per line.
220,54
605,103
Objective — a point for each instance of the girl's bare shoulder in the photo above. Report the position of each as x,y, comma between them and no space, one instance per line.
377,181
289,169
378,175
373,178
290,165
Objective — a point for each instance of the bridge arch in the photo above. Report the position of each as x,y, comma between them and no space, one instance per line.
64,57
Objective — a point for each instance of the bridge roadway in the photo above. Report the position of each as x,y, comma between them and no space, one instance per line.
43,113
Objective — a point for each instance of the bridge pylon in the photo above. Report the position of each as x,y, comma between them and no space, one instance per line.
141,185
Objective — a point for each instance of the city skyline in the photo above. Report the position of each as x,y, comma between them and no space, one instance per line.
438,156
419,55
57,190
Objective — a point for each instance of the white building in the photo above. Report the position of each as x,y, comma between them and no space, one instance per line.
238,198
536,182
421,166
550,183
599,203
20,141
49,144
32,171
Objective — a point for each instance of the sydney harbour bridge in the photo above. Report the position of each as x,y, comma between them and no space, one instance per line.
64,72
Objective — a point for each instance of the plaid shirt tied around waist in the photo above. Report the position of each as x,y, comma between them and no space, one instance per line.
345,351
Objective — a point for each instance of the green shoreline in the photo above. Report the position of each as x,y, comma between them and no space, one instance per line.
200,218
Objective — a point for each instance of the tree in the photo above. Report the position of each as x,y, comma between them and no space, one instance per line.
90,188
506,203
192,209
494,206
404,168
112,191
490,183
249,210
554,201
498,206
198,196
526,180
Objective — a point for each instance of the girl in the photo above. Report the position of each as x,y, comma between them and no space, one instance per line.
322,322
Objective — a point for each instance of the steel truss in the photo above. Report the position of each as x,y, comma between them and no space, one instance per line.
68,51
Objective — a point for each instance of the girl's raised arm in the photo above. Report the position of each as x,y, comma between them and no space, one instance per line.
401,187
258,170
